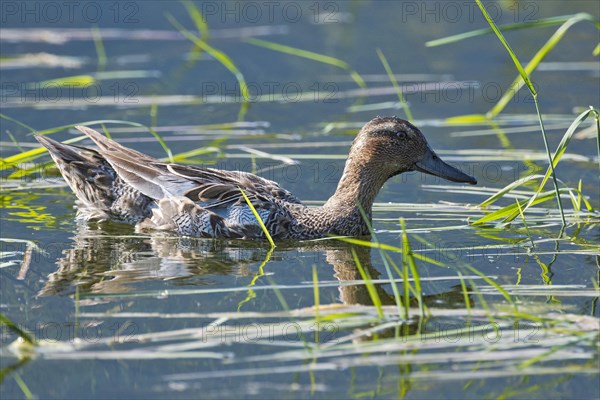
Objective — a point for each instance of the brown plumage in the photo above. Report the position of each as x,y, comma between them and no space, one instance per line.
122,184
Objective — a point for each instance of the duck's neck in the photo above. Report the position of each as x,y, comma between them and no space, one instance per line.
359,185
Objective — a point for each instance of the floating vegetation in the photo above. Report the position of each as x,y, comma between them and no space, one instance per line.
509,347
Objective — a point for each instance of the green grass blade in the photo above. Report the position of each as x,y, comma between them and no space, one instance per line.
106,132
154,114
428,260
392,77
367,243
525,78
196,16
507,46
311,56
99,44
198,19
544,22
63,127
517,84
4,320
466,299
258,218
511,211
82,81
506,211
568,191
406,285
34,153
467,119
317,302
261,272
15,141
564,142
21,124
186,155
23,386
31,154
560,150
163,144
508,188
579,195
525,225
222,58
395,290
409,257
369,283
491,282
547,147
75,81
387,260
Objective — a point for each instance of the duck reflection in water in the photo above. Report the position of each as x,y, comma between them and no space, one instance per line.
111,261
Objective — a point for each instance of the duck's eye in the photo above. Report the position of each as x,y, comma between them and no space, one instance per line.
401,135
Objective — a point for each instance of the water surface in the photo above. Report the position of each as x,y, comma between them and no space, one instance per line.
156,316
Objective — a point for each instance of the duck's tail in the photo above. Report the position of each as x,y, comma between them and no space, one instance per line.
103,194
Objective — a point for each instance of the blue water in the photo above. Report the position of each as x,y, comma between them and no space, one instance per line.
108,268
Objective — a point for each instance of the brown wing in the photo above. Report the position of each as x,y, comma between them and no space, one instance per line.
211,187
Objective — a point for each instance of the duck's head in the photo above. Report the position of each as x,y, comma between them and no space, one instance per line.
392,145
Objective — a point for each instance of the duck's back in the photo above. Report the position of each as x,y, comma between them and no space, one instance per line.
124,185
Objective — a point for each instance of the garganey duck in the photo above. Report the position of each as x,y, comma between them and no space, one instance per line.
120,184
